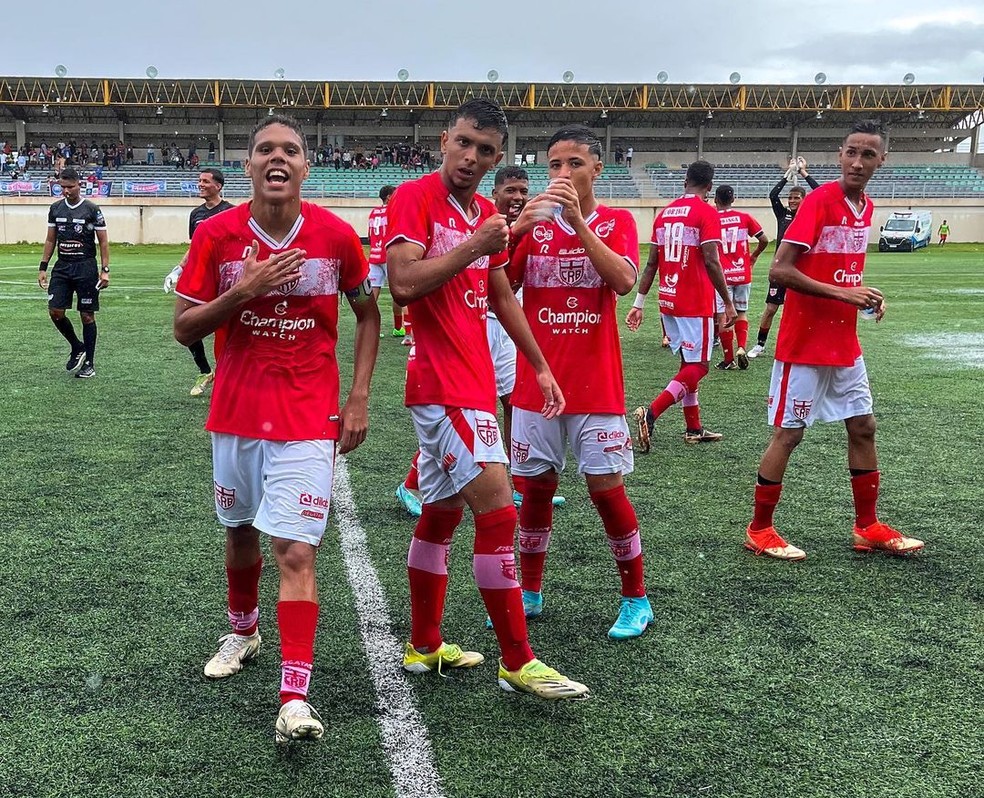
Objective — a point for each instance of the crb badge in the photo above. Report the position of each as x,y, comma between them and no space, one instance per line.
488,431
224,497
521,452
571,271
802,408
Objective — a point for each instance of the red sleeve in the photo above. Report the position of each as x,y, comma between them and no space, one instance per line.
752,225
710,224
516,270
355,268
199,281
408,217
805,227
624,238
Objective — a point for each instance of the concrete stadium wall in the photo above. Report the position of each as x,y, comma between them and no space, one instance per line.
165,221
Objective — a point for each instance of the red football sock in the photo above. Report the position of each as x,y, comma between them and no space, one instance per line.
728,345
297,621
670,395
622,531
410,483
494,565
535,523
865,489
406,320
244,587
766,499
427,569
741,332
397,317
519,484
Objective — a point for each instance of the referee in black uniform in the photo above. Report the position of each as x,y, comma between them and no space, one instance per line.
784,217
210,183
74,226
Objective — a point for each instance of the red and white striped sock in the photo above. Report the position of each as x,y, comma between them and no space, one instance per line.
535,524
622,530
244,588
298,621
427,570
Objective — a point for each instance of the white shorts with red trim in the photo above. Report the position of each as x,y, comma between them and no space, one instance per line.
377,275
738,294
455,445
601,443
282,488
503,356
692,336
800,395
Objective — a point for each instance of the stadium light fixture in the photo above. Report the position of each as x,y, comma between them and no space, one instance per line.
151,72
493,75
820,78
604,113
908,78
160,110
61,70
568,76
734,78
662,76
710,114
921,114
384,113
44,108
270,111
819,114
279,73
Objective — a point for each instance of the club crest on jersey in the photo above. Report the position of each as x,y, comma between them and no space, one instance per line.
860,240
571,271
288,288
488,431
542,233
521,452
802,408
224,497
604,229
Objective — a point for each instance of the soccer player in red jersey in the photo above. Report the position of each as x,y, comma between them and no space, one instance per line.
573,267
819,372
737,261
269,273
377,257
686,235
447,246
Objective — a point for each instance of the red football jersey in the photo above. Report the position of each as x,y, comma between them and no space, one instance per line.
377,235
737,228
449,363
679,230
816,331
572,312
277,376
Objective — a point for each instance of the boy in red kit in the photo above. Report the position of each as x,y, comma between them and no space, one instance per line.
686,236
446,249
573,267
819,373
269,273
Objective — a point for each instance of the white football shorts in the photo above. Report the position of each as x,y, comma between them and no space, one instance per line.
738,294
455,444
377,275
692,336
601,443
282,488
503,356
800,395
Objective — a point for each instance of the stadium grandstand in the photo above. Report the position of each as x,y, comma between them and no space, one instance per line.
144,141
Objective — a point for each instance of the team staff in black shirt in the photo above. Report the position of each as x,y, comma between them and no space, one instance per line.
74,226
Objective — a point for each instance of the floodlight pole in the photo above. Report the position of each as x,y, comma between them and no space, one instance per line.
700,142
975,143
220,131
608,143
510,158
20,130
794,142
320,136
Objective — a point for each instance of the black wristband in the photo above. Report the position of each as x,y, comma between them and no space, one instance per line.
105,270
43,266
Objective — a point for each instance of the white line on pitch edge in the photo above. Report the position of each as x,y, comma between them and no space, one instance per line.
404,736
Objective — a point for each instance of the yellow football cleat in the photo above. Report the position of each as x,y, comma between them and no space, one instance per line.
540,680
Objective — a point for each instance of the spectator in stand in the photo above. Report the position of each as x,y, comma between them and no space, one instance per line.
337,160
628,157
150,154
129,155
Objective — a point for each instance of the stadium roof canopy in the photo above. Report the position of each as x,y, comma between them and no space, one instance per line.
939,112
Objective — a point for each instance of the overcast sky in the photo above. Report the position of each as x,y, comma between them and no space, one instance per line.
862,41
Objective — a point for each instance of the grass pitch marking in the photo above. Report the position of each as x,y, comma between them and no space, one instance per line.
404,735
964,349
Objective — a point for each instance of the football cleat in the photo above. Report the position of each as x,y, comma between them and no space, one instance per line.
644,427
407,340
298,720
770,543
85,372
532,606
202,381
75,360
557,501
755,351
447,656
234,651
727,365
540,680
409,501
881,537
633,618
701,436
666,342
741,358
398,333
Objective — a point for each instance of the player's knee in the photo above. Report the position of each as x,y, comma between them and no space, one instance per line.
56,314
88,318
294,557
789,438
861,429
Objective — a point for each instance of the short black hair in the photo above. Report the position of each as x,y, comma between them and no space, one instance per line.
277,119
510,173
386,192
217,175
870,127
797,190
579,134
700,173
484,113
68,173
725,194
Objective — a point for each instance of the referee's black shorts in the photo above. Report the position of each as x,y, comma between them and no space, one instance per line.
79,277
776,295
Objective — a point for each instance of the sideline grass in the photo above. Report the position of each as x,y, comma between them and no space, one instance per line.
844,674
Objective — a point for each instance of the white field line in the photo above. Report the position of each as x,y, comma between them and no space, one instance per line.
404,736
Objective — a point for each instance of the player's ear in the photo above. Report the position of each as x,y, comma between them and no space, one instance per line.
246,168
444,142
499,157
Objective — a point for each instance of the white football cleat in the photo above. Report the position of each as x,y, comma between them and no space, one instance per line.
755,351
298,720
234,651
